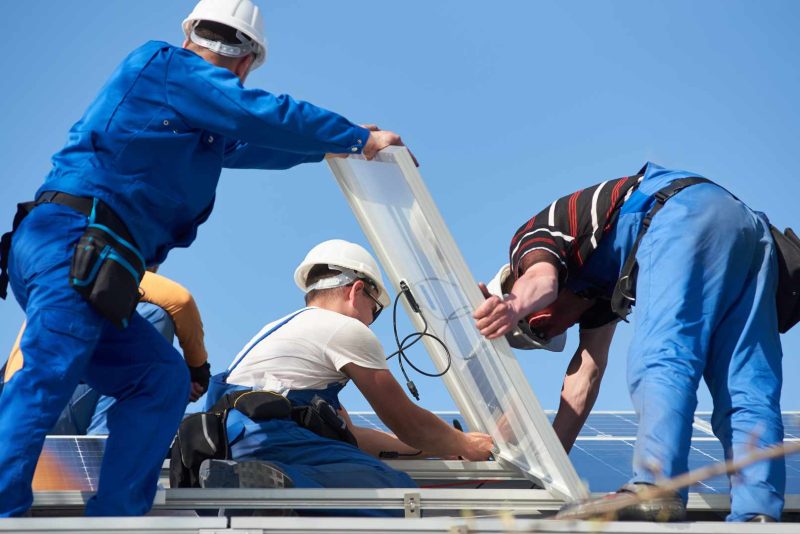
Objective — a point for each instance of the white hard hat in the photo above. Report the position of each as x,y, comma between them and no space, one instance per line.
522,337
338,253
241,15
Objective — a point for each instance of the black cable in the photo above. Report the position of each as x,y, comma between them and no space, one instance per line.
395,454
411,339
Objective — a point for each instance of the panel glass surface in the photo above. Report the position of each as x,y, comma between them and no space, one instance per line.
606,464
69,463
413,244
601,459
791,423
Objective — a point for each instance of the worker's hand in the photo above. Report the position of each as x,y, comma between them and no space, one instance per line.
496,316
196,391
380,139
475,446
200,376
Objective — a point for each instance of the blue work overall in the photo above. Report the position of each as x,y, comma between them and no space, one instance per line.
66,341
705,308
311,461
151,147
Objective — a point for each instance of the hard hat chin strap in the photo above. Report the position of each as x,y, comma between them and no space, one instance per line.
246,47
345,277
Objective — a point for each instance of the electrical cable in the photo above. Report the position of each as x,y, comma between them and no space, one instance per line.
411,339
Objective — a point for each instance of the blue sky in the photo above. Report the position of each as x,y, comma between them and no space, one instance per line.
507,105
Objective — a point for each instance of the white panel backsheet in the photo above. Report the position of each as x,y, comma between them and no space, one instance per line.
413,244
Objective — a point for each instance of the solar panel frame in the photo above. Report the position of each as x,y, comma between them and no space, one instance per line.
412,242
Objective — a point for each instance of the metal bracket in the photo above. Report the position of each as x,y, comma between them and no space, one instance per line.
412,505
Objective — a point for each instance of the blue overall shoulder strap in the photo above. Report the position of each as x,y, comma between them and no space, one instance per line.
218,384
624,296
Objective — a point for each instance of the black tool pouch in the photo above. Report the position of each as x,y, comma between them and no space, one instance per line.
787,298
320,418
200,436
106,271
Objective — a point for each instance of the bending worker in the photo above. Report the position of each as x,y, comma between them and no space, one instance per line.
136,178
705,298
172,310
310,355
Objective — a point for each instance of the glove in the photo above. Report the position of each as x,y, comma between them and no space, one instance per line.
201,375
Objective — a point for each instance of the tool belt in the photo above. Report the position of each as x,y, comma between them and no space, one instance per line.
202,436
787,244
788,294
107,266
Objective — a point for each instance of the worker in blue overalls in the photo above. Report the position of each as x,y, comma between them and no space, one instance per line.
308,356
704,278
136,178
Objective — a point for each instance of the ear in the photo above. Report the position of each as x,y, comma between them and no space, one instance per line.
243,67
357,287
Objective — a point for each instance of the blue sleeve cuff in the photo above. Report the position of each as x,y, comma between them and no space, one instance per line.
360,140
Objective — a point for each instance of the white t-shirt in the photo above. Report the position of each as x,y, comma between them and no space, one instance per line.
308,352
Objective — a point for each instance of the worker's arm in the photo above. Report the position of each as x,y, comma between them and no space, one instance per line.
213,98
413,425
374,441
535,289
242,155
182,309
582,383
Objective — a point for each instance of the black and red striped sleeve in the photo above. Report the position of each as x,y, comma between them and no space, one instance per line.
546,237
566,233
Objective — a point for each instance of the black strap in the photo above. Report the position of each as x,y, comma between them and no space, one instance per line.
103,215
23,209
624,296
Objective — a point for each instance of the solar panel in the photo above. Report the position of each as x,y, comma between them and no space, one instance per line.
600,458
413,244
605,464
69,463
791,423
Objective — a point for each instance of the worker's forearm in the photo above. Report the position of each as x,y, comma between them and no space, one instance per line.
375,442
582,382
537,288
427,432
578,395
576,403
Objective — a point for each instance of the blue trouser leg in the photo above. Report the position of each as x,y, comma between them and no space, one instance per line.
313,461
150,382
60,337
162,322
705,304
64,339
744,376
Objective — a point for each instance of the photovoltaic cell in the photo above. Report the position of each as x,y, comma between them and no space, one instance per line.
69,463
605,464
791,423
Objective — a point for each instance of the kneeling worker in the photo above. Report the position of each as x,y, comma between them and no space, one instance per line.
312,353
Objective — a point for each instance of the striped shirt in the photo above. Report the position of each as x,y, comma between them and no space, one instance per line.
567,232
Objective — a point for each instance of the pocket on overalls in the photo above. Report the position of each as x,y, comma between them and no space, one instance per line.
107,274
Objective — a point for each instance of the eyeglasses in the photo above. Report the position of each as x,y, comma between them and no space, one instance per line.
378,306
